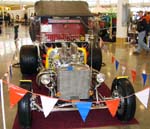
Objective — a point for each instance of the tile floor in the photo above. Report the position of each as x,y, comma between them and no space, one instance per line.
121,51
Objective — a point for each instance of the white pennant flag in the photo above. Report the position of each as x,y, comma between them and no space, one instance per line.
143,96
47,104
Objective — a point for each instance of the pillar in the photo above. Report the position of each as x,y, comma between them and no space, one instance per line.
122,20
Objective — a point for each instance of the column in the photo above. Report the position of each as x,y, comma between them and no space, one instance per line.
122,20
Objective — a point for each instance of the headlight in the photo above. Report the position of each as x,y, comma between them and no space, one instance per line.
100,77
45,79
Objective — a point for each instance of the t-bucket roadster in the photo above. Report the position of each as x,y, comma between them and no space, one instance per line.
63,63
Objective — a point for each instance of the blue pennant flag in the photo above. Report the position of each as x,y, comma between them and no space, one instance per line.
84,108
117,64
144,76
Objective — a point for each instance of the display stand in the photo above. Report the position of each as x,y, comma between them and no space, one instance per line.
2,103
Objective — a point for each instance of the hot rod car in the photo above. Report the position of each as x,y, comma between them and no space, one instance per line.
63,61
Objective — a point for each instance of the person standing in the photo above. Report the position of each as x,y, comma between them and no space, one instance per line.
147,18
16,27
25,19
1,22
9,19
5,18
141,28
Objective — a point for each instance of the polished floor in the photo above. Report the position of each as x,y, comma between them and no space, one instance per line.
121,51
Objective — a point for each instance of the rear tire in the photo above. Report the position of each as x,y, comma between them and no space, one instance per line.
28,59
122,88
96,57
32,32
24,109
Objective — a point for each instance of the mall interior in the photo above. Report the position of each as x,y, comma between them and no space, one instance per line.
117,21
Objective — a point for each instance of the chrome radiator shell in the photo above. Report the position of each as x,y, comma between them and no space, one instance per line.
73,82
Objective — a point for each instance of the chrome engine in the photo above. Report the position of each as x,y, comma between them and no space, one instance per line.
65,56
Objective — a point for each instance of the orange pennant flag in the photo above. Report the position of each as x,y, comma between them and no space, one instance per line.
113,106
113,59
133,73
16,93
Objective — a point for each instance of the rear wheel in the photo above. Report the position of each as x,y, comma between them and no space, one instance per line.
28,59
95,58
24,109
32,31
123,88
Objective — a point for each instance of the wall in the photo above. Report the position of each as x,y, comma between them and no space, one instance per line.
13,13
21,12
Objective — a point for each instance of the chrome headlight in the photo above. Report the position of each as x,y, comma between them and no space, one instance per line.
100,77
45,79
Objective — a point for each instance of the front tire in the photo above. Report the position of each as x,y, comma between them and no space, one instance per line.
123,88
24,109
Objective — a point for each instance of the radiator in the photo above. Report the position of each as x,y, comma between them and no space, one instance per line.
74,83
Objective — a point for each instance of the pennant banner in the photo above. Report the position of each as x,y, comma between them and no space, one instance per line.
113,59
143,96
144,76
117,64
16,94
133,74
47,104
113,106
84,108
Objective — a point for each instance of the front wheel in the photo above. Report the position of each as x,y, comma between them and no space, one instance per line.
24,109
123,89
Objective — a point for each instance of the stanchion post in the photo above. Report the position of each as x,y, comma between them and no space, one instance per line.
2,103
